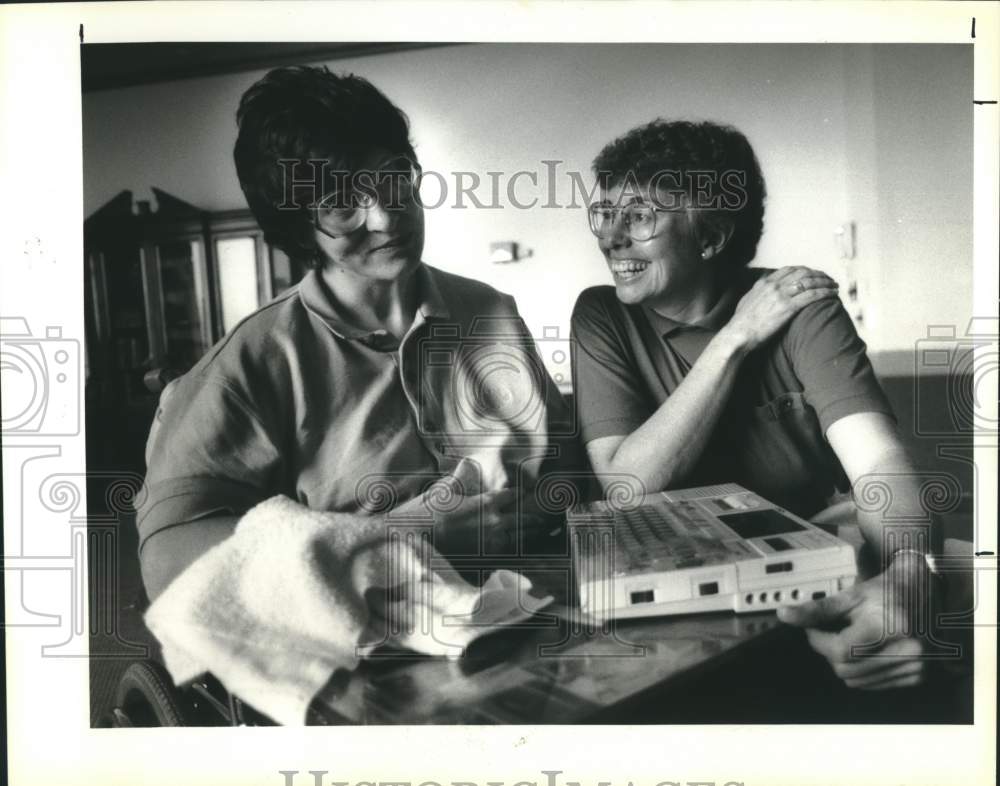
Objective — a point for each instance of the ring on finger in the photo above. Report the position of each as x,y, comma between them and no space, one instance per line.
799,288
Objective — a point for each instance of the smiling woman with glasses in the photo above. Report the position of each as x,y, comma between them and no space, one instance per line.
694,369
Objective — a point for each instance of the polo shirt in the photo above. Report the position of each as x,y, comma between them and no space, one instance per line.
297,401
770,436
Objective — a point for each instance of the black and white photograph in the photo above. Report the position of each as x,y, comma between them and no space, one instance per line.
577,387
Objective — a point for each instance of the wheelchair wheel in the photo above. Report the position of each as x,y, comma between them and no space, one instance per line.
146,697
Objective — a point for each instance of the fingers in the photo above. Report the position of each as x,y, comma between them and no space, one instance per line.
830,645
796,287
897,664
797,281
903,681
849,645
779,275
774,299
879,665
893,675
391,563
811,286
802,299
820,613
788,275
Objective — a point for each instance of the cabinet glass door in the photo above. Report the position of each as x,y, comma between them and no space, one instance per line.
185,307
118,350
236,263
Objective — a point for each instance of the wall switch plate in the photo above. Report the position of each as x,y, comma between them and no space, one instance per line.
508,251
846,238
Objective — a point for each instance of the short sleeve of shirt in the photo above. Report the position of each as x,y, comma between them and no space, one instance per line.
209,453
609,401
831,362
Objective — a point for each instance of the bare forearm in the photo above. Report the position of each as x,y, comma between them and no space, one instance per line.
664,450
893,508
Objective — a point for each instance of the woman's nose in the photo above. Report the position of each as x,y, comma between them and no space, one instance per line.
618,237
383,218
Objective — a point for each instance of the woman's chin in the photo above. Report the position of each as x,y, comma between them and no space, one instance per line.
627,291
398,261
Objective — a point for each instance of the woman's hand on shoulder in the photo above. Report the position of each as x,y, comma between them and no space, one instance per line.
773,300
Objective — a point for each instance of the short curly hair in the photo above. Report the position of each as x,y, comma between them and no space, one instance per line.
735,193
302,114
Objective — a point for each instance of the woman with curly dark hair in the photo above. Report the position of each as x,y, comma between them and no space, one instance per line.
694,369
328,390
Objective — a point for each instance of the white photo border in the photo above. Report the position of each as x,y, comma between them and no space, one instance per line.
48,734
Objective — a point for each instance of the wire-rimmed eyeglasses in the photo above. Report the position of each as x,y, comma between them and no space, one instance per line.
639,218
392,184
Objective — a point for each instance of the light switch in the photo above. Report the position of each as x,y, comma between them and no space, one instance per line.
507,251
845,237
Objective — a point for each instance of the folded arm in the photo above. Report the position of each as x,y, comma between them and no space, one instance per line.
662,451
480,524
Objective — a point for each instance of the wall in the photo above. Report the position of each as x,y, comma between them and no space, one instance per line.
879,135
908,120
908,131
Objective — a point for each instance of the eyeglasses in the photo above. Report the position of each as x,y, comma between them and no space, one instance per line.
392,184
640,219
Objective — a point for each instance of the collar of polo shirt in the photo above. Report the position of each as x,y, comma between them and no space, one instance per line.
317,302
712,321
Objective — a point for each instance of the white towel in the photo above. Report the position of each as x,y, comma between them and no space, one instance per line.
276,608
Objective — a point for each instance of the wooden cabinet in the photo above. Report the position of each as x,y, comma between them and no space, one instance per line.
162,287
247,272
